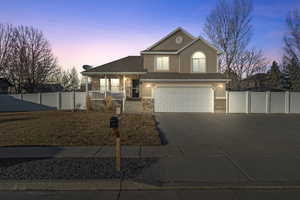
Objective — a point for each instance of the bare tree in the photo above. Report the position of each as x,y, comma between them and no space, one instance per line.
250,62
68,79
74,79
291,59
292,37
29,60
6,32
228,27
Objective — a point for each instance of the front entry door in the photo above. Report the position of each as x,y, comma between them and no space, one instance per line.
135,88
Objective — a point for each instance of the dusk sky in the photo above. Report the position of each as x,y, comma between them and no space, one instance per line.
95,32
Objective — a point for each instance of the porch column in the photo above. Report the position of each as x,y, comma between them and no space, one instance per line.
109,84
105,86
124,85
87,85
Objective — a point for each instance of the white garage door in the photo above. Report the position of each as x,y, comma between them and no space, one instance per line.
183,99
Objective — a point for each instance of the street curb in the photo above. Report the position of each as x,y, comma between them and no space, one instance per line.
127,185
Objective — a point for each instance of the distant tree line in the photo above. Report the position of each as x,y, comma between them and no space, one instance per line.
68,79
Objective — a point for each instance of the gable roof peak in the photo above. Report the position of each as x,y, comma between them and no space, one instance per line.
169,35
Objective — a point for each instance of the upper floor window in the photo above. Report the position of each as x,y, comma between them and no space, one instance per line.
199,62
162,63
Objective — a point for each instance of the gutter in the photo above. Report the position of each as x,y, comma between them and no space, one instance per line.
185,80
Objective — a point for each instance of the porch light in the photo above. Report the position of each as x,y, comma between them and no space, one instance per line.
220,86
148,85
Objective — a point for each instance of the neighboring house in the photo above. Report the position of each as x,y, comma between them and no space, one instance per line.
4,86
50,87
179,73
259,82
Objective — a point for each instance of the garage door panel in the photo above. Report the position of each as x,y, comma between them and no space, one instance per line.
183,99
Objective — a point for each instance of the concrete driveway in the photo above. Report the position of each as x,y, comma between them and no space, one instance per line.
234,147
253,134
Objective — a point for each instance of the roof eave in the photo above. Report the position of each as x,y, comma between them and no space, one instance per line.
185,80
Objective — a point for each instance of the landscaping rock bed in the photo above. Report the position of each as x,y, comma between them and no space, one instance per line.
67,169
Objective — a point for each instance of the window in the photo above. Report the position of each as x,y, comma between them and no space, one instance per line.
114,82
115,85
162,63
102,84
198,62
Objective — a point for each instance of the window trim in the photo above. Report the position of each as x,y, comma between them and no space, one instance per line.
155,63
205,65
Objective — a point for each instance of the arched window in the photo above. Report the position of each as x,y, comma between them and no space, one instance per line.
199,62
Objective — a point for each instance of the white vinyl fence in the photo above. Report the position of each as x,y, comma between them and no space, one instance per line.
40,101
262,102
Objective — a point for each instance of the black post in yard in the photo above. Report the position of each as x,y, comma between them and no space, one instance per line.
114,124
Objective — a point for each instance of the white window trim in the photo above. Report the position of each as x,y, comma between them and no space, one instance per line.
205,67
161,70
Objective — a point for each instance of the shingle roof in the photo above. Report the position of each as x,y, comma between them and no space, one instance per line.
127,64
173,75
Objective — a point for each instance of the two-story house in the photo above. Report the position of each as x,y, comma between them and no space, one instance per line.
179,73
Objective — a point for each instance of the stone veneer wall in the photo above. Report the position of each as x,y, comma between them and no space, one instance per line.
148,105
98,105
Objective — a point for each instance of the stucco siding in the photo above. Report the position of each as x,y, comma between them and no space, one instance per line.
182,62
186,57
170,44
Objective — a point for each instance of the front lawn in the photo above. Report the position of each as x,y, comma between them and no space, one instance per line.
66,128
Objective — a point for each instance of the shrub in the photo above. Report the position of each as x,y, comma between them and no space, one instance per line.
109,104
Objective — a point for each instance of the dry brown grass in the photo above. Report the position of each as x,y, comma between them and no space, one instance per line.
63,128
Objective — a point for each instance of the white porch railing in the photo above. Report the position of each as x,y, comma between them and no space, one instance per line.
99,95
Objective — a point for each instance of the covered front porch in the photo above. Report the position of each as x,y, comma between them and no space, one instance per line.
119,87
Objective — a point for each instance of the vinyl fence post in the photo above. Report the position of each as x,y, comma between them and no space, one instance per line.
39,98
248,102
227,101
287,102
268,99
73,100
213,100
58,101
